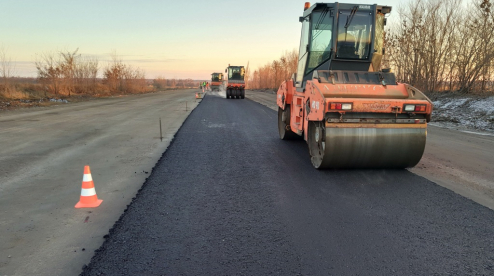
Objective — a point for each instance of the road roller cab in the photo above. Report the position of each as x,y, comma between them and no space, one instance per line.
216,81
352,113
234,82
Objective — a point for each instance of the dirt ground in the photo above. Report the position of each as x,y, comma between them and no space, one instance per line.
13,104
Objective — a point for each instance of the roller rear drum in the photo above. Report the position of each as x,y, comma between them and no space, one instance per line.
354,147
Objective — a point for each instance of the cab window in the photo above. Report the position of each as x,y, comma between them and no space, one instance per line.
354,34
321,39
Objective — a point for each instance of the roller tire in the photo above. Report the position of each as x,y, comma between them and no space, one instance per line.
315,140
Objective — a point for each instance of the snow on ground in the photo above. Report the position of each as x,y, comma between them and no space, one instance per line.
463,112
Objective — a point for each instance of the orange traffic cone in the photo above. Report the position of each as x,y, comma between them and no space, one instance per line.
88,193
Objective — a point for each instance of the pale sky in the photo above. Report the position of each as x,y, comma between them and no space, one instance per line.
171,39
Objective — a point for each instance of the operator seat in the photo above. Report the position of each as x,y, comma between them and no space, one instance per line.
346,46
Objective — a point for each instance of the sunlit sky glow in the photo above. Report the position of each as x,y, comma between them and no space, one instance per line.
171,39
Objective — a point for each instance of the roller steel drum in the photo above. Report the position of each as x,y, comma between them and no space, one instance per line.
380,148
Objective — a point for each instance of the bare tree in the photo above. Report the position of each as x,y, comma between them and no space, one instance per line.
159,83
49,72
121,77
85,74
476,50
6,72
113,73
67,67
247,75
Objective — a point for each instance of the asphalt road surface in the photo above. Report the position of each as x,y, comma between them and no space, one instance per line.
229,197
42,156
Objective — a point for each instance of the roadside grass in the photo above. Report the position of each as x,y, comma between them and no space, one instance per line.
21,91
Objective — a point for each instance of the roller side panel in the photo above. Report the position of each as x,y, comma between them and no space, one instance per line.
316,107
284,94
297,113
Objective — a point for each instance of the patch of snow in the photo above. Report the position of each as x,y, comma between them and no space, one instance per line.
464,112
486,105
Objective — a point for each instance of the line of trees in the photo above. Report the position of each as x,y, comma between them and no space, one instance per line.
272,74
66,73
440,46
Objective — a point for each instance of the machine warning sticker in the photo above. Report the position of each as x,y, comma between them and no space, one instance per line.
315,105
364,7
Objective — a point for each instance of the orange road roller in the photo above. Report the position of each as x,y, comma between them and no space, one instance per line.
351,113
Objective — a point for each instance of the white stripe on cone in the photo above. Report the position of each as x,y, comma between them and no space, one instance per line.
87,178
88,192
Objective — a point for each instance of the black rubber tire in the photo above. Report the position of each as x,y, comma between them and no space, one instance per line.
286,134
315,138
242,93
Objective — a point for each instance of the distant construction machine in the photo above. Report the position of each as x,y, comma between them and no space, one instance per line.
234,82
351,113
216,81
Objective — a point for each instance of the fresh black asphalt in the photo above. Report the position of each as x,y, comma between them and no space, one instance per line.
229,197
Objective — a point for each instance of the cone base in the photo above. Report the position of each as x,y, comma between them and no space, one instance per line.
89,205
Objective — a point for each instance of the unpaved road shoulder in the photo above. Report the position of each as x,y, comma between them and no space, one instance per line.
460,161
42,158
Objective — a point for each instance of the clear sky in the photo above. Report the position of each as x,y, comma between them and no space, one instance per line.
171,39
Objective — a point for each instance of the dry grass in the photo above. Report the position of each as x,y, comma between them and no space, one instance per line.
11,92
